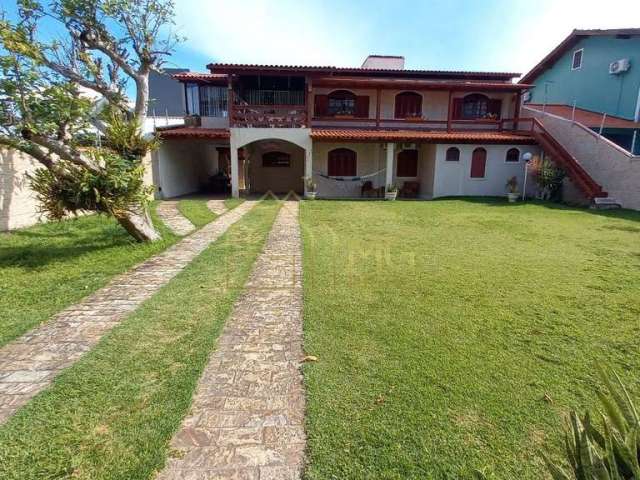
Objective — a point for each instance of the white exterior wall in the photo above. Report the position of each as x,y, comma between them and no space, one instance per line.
454,178
18,205
183,166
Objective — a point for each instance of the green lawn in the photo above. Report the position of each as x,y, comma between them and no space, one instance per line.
196,210
441,326
112,414
46,268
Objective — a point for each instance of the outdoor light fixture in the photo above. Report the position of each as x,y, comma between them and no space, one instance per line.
526,156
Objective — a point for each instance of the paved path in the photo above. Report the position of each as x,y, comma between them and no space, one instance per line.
217,206
29,363
168,211
246,421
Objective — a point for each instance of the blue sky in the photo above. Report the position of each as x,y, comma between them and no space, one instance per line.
495,35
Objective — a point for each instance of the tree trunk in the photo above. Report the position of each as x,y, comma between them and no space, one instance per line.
139,225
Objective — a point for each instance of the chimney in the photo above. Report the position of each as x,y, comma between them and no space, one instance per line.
384,62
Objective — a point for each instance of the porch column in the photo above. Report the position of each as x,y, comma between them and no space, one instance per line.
516,113
235,190
308,166
389,171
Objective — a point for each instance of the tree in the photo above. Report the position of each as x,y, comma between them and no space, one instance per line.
100,46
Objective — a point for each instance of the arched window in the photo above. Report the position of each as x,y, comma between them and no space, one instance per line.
276,159
407,163
408,105
475,106
453,154
478,163
342,102
342,162
513,155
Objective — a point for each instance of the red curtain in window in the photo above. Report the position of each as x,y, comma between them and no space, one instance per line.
407,163
478,163
408,105
342,163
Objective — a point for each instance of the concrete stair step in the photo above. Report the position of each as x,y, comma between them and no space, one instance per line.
605,203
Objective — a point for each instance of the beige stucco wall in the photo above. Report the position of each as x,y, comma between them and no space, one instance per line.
180,167
616,170
18,205
371,158
435,104
276,179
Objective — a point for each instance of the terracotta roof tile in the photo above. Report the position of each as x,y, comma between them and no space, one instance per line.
195,132
417,135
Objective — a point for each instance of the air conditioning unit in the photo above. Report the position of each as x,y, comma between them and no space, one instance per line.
619,66
527,96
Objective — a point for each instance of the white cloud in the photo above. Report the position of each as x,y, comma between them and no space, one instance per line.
269,32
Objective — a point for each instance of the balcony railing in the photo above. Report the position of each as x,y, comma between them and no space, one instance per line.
506,124
269,116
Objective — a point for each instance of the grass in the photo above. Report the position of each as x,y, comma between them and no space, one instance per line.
112,414
454,335
196,210
46,268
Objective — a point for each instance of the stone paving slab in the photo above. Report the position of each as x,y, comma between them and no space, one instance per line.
246,421
168,212
217,206
29,363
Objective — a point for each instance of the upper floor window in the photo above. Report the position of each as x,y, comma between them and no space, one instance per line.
342,102
206,100
276,159
408,105
453,154
576,63
513,155
407,163
476,106
342,162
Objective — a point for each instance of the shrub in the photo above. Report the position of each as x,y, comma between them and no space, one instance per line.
548,177
611,452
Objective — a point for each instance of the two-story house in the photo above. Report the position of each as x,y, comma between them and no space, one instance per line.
352,130
591,73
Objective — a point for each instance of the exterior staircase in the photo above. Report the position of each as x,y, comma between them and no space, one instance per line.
580,177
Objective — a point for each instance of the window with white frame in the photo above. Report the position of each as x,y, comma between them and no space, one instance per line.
576,63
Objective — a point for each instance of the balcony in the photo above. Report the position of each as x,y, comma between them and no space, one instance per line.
269,116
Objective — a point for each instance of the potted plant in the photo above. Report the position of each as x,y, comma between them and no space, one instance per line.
512,189
391,192
311,189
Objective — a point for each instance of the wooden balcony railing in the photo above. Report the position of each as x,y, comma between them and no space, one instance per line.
268,116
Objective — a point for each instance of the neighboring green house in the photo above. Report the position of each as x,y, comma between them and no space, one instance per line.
598,71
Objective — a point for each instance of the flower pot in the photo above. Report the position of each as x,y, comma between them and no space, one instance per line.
390,195
513,197
310,195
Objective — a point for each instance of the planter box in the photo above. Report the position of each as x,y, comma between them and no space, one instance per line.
310,195
513,197
390,195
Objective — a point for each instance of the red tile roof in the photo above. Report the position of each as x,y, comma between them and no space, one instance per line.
236,67
585,117
195,132
574,37
417,135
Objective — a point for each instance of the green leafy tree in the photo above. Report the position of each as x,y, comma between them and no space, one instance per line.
99,46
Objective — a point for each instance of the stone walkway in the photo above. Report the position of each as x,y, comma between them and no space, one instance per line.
29,363
217,206
168,212
246,421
